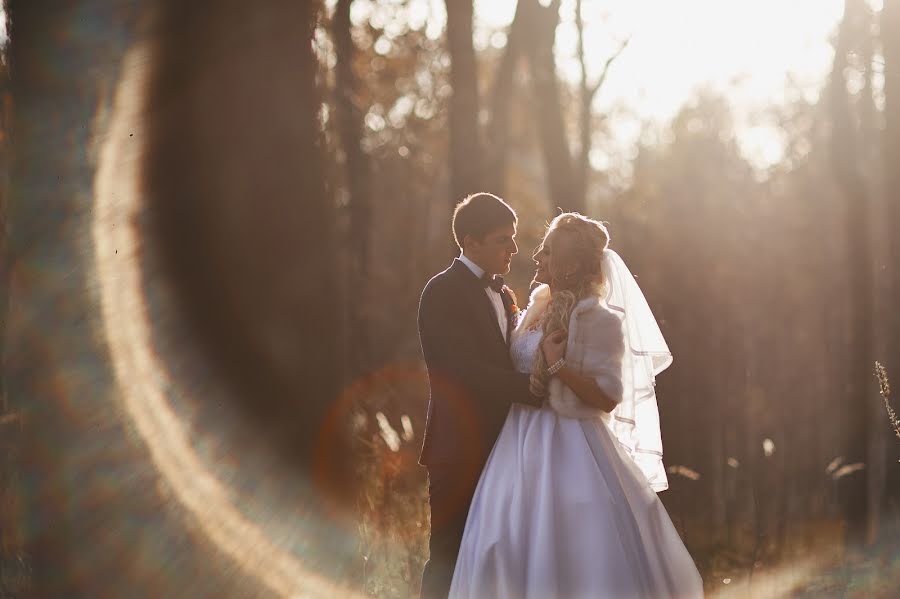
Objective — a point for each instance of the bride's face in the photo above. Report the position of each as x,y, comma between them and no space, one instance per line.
555,260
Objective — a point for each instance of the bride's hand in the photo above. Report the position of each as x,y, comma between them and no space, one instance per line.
554,347
512,295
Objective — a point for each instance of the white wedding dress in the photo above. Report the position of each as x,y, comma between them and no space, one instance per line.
561,510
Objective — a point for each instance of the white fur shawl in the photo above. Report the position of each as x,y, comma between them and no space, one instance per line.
595,348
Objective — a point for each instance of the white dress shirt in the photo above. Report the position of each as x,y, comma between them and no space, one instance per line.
495,298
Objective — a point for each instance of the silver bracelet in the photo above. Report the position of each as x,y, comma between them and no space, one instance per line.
556,367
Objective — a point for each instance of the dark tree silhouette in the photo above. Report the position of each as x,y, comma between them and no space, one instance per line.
357,172
465,143
236,250
852,183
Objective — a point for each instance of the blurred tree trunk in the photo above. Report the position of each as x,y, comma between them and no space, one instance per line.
497,138
259,281
232,189
858,508
890,39
541,23
357,171
890,43
567,174
871,166
465,147
586,98
12,547
5,258
477,163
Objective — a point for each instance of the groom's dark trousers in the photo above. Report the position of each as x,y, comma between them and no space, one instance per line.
472,382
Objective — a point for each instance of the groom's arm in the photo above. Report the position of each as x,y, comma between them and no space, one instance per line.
452,351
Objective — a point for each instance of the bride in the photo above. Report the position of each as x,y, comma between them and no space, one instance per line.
566,505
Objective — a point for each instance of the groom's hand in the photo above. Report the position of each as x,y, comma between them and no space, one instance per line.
554,346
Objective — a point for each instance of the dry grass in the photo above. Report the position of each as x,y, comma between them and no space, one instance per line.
813,560
393,519
394,524
884,387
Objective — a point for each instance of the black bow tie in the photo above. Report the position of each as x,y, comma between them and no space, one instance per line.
496,282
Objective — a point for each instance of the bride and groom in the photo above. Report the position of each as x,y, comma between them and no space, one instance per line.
542,439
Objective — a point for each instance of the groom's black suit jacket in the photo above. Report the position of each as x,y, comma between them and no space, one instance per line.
470,372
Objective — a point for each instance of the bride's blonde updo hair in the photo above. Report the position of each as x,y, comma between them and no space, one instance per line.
589,239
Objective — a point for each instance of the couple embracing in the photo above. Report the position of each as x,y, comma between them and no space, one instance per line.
542,439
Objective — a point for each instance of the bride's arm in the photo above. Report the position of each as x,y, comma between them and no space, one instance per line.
599,384
584,387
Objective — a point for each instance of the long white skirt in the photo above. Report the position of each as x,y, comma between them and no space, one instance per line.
562,511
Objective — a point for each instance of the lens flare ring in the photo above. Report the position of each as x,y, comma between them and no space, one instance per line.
142,381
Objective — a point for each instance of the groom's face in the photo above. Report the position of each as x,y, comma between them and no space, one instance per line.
495,251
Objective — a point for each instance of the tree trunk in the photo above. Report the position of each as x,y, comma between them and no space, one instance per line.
497,139
548,113
465,147
890,41
226,140
357,174
586,97
12,548
845,151
870,168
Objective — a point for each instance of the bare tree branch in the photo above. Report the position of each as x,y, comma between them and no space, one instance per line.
579,25
609,61
587,94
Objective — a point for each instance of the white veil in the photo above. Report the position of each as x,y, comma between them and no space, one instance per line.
635,421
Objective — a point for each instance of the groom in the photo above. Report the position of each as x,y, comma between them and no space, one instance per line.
465,321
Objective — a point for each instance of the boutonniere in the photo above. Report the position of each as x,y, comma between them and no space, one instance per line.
512,308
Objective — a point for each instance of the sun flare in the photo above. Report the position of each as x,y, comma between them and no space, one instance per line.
753,53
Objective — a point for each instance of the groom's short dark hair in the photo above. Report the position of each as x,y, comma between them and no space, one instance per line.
479,214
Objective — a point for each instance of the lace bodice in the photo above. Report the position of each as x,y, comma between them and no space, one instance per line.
524,347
